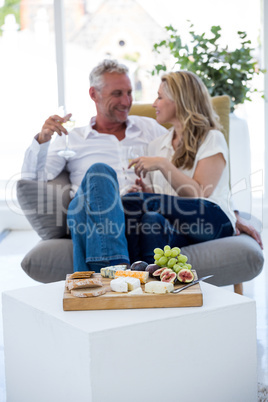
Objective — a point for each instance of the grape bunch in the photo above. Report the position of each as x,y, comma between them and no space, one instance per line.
171,258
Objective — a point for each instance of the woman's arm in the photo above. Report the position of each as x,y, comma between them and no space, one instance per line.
243,227
207,174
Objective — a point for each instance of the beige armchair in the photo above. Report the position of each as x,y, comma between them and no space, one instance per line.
231,260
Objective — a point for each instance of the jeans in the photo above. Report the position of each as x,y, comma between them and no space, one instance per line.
154,220
96,221
104,233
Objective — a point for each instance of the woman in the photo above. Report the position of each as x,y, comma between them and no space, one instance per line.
188,174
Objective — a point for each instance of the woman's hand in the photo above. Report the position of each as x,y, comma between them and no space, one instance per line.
242,226
145,164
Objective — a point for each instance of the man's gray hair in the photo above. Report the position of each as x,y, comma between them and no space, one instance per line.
106,66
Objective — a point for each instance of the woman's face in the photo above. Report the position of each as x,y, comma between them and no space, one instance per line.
164,107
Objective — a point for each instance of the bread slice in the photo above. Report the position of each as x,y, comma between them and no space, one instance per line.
88,292
81,274
84,283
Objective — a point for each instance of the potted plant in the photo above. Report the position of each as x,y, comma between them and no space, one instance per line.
223,71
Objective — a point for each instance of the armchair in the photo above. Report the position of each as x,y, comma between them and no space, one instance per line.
233,260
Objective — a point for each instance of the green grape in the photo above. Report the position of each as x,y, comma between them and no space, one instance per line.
176,268
167,253
158,251
171,262
182,258
157,256
174,252
188,266
177,248
163,260
166,248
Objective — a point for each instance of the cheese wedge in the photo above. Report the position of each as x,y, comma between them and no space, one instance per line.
159,287
119,285
132,283
88,292
109,272
137,291
141,275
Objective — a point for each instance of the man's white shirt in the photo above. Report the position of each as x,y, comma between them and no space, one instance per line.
42,162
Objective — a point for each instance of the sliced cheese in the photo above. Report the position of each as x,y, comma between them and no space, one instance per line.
119,285
159,287
141,275
132,283
109,272
137,291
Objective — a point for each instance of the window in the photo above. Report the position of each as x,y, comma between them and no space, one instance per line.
121,29
28,80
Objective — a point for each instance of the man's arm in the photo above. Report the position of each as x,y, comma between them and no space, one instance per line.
35,166
243,227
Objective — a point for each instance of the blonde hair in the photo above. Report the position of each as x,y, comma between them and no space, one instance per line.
194,111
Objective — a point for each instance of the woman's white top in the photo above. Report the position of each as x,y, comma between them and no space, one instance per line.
213,144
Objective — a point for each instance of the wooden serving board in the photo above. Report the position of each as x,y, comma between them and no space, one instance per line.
190,297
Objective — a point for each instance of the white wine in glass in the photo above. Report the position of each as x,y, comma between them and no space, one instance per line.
67,153
135,152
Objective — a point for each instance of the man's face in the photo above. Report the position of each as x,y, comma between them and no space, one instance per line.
114,100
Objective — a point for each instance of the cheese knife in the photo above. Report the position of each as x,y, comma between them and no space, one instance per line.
192,283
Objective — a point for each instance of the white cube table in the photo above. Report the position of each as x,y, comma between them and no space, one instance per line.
188,354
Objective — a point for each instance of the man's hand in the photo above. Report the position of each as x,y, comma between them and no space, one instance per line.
140,187
243,227
52,124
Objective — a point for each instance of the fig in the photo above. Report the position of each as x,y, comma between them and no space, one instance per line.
168,275
151,268
158,272
185,275
166,270
138,266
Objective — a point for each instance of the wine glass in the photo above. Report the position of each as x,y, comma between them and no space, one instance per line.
67,153
135,151
128,154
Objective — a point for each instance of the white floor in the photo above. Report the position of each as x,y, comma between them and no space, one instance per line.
17,243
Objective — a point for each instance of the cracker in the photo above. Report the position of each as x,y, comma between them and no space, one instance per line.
81,274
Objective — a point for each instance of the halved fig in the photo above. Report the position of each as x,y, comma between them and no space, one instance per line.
185,276
168,275
158,272
165,271
151,268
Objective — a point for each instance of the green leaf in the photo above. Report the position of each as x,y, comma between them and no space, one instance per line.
222,70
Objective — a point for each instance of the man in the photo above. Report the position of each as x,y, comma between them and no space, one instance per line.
103,140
